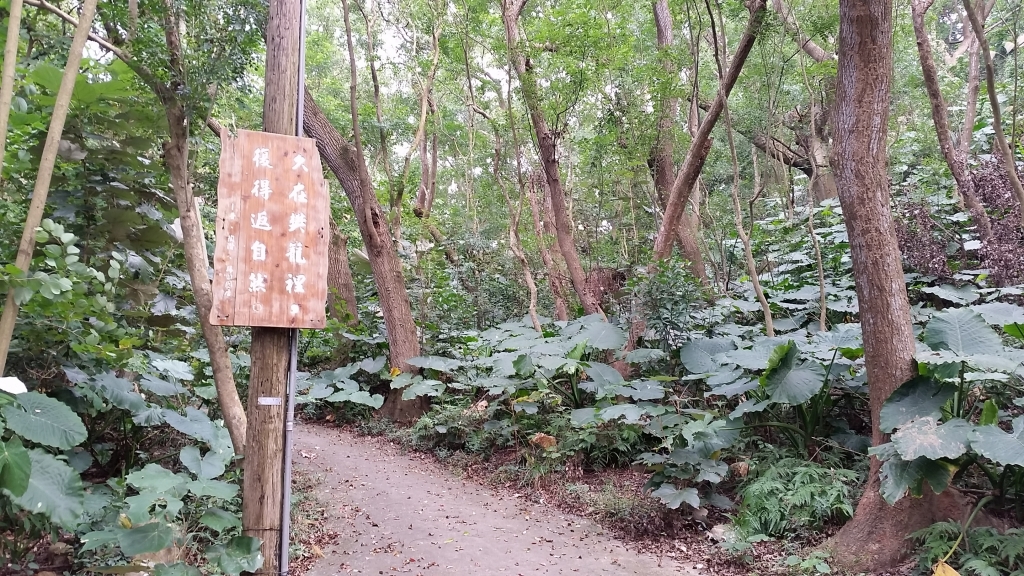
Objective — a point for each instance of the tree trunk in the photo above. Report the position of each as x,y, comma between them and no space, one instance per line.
7,82
198,266
997,117
817,53
347,165
973,77
553,272
263,482
663,166
341,300
548,148
954,159
341,292
46,163
875,538
700,145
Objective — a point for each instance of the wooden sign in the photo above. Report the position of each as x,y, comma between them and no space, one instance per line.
273,232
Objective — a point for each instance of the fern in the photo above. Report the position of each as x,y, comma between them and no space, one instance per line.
985,551
792,494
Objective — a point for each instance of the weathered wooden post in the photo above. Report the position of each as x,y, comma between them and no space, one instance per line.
270,268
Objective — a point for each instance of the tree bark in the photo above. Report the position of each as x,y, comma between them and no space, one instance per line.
810,47
700,145
954,159
349,167
341,292
661,158
263,482
46,163
997,117
7,82
341,300
875,538
548,148
553,272
973,76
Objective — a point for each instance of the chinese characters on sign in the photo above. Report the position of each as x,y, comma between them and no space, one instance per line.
270,264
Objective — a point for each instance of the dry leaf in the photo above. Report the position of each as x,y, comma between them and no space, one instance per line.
943,569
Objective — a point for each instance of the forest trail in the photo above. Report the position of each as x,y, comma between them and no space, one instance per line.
402,514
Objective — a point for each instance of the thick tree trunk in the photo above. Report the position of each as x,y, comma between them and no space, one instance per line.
875,538
347,165
1007,155
548,148
700,145
954,159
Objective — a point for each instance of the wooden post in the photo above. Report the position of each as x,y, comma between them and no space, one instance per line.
263,488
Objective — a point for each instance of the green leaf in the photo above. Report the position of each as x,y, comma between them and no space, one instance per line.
98,539
989,413
213,488
789,382
205,468
220,520
673,497
698,356
160,387
373,365
917,398
54,489
950,293
1000,313
156,478
644,355
119,392
15,466
176,569
439,363
899,477
146,539
44,420
240,554
1001,447
195,423
423,387
630,413
962,331
605,378
173,368
925,437
602,336
47,75
523,365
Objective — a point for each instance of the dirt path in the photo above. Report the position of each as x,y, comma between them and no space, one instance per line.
402,514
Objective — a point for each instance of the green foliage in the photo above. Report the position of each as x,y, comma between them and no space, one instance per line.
792,496
984,552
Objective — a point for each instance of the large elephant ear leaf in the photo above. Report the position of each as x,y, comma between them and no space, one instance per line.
790,381
999,446
54,489
962,331
44,420
698,356
917,398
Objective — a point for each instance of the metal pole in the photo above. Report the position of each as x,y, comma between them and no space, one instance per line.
286,505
